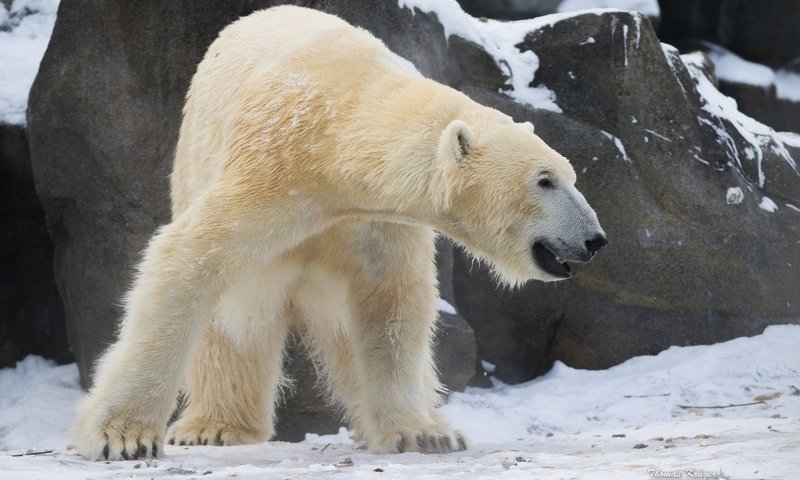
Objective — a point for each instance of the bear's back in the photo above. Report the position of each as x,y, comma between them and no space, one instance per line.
278,70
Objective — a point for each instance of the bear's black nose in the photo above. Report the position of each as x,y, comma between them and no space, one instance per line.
594,245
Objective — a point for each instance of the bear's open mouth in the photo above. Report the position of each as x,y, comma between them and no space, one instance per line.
550,262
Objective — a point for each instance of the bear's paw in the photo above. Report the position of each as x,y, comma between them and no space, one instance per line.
202,431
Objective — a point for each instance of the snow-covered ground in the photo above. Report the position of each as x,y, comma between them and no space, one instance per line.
25,29
730,410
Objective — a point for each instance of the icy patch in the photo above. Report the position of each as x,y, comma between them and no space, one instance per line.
720,107
499,39
768,205
25,30
733,68
734,196
787,85
445,307
647,7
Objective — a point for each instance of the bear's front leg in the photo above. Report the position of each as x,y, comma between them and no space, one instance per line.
137,380
392,346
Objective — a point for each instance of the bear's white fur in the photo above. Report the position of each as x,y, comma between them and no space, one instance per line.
309,176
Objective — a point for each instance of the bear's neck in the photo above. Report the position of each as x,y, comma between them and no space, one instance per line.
387,148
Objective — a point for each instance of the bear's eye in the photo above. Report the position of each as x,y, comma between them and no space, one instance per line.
545,182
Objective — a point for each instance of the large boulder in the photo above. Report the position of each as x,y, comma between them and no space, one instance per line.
31,314
683,184
103,118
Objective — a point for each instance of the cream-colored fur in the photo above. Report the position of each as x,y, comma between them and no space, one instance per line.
309,176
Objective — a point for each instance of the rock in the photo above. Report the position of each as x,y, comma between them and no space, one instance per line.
103,117
510,9
764,105
764,35
522,9
31,313
683,266
767,36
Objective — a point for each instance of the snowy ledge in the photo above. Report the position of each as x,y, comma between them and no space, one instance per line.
499,39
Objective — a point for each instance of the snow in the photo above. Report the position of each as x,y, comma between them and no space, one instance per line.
445,307
731,409
734,196
787,85
618,144
499,39
733,68
722,107
768,205
646,7
25,29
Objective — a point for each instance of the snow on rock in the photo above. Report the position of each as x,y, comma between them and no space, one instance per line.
787,85
499,39
734,196
730,409
618,144
25,29
733,68
768,205
646,7
445,307
722,107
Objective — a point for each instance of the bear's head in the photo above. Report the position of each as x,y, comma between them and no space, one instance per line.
511,199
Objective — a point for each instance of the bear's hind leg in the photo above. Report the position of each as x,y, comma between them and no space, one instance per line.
231,390
235,374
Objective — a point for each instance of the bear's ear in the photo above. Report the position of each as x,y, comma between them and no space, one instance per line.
456,142
528,126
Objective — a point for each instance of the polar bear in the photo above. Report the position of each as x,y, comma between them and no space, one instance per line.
310,174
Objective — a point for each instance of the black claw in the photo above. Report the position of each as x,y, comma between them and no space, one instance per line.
125,455
462,444
143,451
182,444
155,450
205,441
420,442
400,447
172,441
434,444
446,444
105,451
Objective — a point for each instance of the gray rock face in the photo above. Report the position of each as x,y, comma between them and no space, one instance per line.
103,118
31,314
683,266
